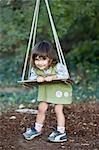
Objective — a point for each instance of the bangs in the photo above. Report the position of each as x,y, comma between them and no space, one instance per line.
43,49
43,56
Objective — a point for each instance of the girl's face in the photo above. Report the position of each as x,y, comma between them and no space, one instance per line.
42,62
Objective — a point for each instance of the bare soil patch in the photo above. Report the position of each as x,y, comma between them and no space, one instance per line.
82,124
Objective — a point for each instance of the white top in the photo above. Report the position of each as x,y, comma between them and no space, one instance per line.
61,72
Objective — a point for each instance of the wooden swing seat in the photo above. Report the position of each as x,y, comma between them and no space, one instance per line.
30,83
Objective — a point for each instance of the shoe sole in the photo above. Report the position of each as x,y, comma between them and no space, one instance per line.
65,140
32,137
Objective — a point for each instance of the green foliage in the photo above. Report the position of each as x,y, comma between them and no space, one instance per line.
86,51
11,68
75,21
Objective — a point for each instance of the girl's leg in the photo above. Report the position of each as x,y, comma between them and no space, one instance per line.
60,134
36,131
60,118
43,106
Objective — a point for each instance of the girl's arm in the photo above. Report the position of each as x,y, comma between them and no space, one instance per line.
33,75
61,71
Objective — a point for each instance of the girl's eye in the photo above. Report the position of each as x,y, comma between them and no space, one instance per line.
44,57
36,59
41,58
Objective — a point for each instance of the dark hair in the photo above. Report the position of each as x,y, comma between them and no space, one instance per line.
44,49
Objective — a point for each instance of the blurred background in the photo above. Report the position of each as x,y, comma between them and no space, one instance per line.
77,25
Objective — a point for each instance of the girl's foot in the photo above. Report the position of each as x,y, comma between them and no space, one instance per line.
31,133
56,136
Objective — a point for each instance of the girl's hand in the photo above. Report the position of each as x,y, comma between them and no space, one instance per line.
40,79
49,78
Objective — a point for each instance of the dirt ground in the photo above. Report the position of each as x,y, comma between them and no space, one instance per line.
82,125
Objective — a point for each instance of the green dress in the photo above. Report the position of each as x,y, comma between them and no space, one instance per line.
55,93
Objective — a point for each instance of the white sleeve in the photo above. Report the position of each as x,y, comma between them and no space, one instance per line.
33,75
61,71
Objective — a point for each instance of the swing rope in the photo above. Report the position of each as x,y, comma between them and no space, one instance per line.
33,36
58,46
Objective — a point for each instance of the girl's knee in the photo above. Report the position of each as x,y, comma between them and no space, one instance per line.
58,108
42,107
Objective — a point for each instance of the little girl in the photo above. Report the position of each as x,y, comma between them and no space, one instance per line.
45,69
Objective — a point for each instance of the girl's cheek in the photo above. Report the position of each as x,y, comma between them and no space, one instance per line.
36,63
47,62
